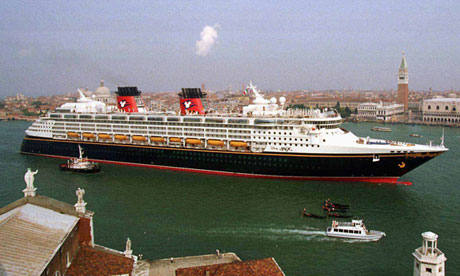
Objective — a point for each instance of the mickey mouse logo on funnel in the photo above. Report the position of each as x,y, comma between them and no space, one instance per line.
190,101
126,99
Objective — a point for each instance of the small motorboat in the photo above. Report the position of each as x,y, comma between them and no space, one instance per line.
415,135
338,215
80,164
311,215
353,230
335,205
334,209
382,129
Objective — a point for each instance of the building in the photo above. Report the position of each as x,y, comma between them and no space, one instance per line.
380,112
439,110
102,94
403,84
428,259
367,111
415,110
46,237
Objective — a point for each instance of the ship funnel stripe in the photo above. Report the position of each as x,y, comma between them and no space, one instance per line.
128,91
192,93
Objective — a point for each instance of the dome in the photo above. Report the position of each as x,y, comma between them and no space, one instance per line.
86,92
102,91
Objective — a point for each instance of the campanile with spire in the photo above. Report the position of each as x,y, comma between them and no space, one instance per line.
403,83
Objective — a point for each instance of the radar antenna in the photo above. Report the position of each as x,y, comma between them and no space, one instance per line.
80,151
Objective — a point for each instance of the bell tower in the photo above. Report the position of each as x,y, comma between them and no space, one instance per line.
403,83
428,259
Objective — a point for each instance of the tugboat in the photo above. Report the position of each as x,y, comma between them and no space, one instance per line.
353,230
80,164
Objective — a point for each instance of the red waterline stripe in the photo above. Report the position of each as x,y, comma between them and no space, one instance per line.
390,180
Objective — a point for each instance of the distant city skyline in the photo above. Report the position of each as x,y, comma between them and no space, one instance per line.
55,47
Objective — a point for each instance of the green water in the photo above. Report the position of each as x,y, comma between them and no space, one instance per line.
177,214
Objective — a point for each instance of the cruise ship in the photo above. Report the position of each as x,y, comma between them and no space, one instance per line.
264,140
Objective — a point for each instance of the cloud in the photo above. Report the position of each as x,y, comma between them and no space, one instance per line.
208,38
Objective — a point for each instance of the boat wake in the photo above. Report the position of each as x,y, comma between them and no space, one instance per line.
355,240
275,233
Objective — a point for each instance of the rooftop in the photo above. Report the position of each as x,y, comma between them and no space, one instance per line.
443,100
29,235
265,267
167,267
99,261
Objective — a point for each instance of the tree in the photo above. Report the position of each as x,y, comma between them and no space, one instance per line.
37,104
347,110
298,106
27,113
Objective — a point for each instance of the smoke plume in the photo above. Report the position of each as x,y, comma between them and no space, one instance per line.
208,38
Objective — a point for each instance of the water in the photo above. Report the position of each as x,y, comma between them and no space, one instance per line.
178,214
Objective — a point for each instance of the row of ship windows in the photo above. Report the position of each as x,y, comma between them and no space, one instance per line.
242,122
172,128
274,132
285,139
117,127
291,144
347,231
320,125
69,125
160,123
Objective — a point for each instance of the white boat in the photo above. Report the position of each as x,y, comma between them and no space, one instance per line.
353,230
382,129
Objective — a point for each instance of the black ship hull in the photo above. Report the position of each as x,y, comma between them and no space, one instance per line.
332,167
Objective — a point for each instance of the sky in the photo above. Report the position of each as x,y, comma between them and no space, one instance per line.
54,47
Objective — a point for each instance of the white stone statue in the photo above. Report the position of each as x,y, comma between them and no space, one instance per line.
80,206
128,244
128,252
29,178
80,193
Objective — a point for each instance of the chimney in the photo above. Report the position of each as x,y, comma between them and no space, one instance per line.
191,101
126,99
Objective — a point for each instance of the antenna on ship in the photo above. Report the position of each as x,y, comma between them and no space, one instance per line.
442,138
82,96
80,150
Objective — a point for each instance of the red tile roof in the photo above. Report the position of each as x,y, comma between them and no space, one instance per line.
90,261
264,267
